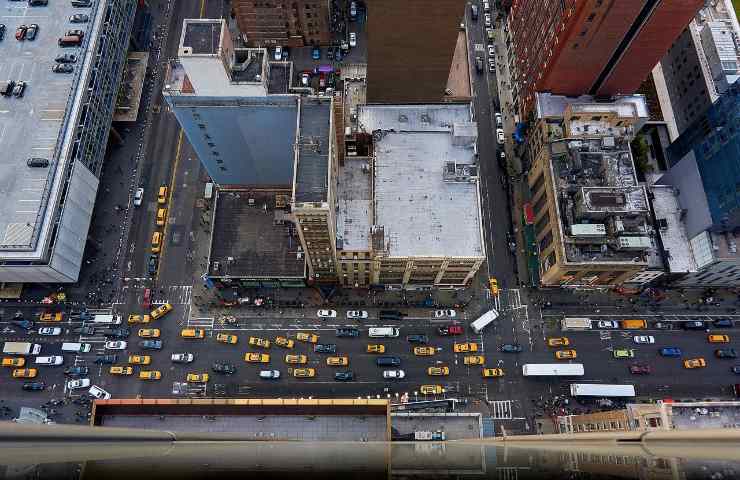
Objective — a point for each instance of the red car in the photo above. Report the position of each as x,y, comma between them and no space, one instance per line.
450,330
20,32
639,369
147,301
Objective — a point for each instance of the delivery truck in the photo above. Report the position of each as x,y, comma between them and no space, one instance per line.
21,348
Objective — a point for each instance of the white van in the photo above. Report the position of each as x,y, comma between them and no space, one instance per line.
53,360
107,319
76,347
484,320
379,332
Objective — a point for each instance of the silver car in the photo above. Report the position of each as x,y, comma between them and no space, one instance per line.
394,374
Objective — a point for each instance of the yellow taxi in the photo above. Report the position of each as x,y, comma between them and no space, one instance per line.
139,318
24,372
304,372
307,337
197,377
156,242
192,333
51,317
227,338
162,195
296,359
438,371
161,311
139,359
284,342
259,342
431,389
121,370
465,347
150,375
493,372
149,332
718,338
424,351
695,363
14,362
161,216
254,357
493,286
373,348
337,361
558,342
565,354
474,360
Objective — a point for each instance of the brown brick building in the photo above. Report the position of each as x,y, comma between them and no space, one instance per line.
292,23
598,47
410,49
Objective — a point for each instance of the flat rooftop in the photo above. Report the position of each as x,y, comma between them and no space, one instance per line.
252,237
672,230
202,36
456,426
312,177
705,415
36,125
354,214
278,81
248,65
421,211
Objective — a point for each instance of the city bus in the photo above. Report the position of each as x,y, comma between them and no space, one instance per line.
601,390
552,369
575,324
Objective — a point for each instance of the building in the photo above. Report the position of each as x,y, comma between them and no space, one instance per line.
591,216
410,49
277,22
222,96
63,120
612,44
699,67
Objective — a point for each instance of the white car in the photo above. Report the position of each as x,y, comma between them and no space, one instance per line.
499,120
327,314
116,345
608,324
500,136
394,374
487,19
53,360
98,393
78,383
138,197
278,53
445,313
182,357
644,339
486,6
357,314
352,39
491,51
270,374
50,331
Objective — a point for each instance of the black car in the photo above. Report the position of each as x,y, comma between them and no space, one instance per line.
37,162
725,353
152,263
106,359
151,344
225,368
348,332
38,3
723,323
6,88
663,325
25,324
388,361
640,369
347,376
62,68
82,3
118,333
19,89
511,348
694,325
325,348
735,369
84,330
31,31
34,386
390,315
74,371
66,58
2,31
417,338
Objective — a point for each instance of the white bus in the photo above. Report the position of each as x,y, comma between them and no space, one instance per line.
552,369
575,324
601,390
484,320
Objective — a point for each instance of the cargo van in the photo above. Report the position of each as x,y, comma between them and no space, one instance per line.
70,41
76,347
107,319
484,320
634,324
156,242
378,332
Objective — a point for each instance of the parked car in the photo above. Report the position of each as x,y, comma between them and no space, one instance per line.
694,325
357,314
116,345
449,313
138,197
450,330
326,313
348,332
663,325
417,338
607,324
79,18
66,58
152,263
639,339
723,323
316,53
19,89
98,393
500,136
20,32
278,53
82,3
31,31
352,39
62,68
78,383
118,333
2,31
394,374
725,353
344,376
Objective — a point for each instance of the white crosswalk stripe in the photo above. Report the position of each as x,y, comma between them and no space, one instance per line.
200,322
176,295
501,410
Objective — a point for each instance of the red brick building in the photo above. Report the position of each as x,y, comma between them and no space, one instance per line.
600,47
291,23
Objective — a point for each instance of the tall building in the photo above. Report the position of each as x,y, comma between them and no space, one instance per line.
591,216
294,23
63,121
222,96
410,49
597,47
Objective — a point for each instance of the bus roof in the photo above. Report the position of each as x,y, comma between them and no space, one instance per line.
601,390
552,369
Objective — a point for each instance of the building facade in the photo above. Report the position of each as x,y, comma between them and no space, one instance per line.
294,23
612,44
410,46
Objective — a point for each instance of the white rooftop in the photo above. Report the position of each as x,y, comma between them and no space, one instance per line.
554,106
354,204
672,231
422,214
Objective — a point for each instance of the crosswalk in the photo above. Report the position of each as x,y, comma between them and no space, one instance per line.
175,294
201,323
501,410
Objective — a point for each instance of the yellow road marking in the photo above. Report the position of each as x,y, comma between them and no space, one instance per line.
167,205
